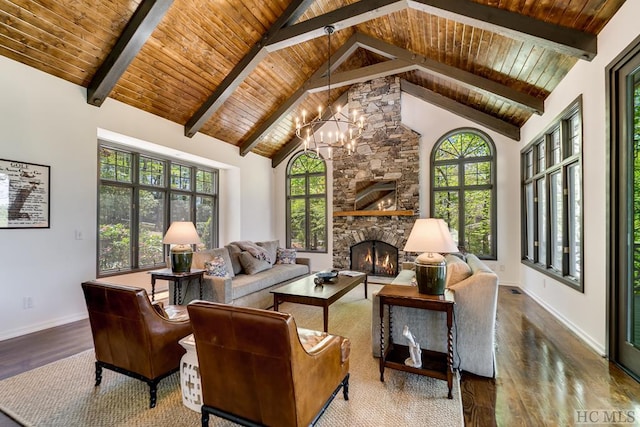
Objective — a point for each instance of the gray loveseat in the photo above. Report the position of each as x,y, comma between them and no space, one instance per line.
475,289
240,287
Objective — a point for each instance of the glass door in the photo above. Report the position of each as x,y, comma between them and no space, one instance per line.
625,220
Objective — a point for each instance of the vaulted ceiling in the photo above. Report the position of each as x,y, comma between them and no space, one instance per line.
242,70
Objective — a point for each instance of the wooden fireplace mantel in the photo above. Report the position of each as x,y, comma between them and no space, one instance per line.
373,213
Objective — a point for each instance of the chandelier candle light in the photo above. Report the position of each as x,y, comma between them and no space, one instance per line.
343,130
182,235
431,236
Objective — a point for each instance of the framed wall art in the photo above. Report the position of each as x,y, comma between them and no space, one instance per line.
24,195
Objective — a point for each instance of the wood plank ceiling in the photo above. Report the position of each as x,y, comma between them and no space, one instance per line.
241,70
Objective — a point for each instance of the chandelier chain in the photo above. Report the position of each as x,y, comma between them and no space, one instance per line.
343,130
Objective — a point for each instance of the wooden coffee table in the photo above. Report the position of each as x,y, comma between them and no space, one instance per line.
305,291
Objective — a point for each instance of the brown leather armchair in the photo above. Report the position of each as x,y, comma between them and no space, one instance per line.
131,336
257,368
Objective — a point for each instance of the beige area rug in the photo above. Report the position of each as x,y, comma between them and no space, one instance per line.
62,393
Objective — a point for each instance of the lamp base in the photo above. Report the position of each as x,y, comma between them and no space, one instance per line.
431,278
181,262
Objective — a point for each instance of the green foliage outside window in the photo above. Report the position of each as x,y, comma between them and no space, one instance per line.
307,202
636,186
133,212
463,190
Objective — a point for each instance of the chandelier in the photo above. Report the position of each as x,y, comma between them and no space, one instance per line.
342,130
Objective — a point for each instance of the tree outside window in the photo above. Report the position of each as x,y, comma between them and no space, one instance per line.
463,189
552,199
307,202
139,196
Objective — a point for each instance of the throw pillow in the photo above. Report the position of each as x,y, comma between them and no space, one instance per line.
253,265
234,254
271,247
285,256
200,258
457,270
216,267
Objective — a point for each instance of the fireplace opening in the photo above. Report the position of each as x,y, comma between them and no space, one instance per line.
375,257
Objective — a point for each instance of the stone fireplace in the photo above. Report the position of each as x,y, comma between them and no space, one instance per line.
386,151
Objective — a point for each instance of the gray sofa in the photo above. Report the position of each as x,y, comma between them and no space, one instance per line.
475,289
239,287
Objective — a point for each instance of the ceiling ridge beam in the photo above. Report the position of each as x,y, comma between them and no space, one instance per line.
341,55
241,70
135,34
294,142
483,119
451,73
345,17
360,75
561,39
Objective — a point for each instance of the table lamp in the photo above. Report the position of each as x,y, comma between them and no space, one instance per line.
181,234
432,237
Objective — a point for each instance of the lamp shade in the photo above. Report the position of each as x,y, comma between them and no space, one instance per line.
181,233
430,235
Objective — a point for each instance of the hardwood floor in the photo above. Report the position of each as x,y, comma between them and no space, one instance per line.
545,373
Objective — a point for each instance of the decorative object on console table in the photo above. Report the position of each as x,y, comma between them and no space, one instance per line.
432,237
181,234
392,355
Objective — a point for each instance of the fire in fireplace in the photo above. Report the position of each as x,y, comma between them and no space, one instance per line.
375,257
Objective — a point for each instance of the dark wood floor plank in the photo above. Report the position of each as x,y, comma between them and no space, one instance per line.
545,372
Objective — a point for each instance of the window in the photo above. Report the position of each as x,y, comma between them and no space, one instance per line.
552,215
307,202
139,196
463,189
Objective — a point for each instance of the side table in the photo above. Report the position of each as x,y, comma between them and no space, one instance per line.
190,375
177,279
434,364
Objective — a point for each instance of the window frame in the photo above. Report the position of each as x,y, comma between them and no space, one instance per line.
461,187
306,197
166,188
569,159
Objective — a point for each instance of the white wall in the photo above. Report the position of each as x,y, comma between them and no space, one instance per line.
586,313
46,120
432,123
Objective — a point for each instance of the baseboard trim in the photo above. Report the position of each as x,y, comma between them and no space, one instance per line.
42,326
501,283
570,325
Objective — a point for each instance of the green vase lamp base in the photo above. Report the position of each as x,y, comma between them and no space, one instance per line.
181,262
431,278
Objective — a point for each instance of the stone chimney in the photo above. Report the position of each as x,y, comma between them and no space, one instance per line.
386,151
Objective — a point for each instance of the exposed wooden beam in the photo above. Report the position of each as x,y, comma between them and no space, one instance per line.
347,16
300,10
363,74
448,72
246,65
294,142
476,116
555,37
144,20
337,59
551,36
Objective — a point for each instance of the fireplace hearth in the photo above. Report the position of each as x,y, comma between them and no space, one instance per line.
375,258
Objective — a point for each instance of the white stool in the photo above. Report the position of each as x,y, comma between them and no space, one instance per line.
190,375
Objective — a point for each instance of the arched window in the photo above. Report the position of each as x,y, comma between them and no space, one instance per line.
307,202
463,190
